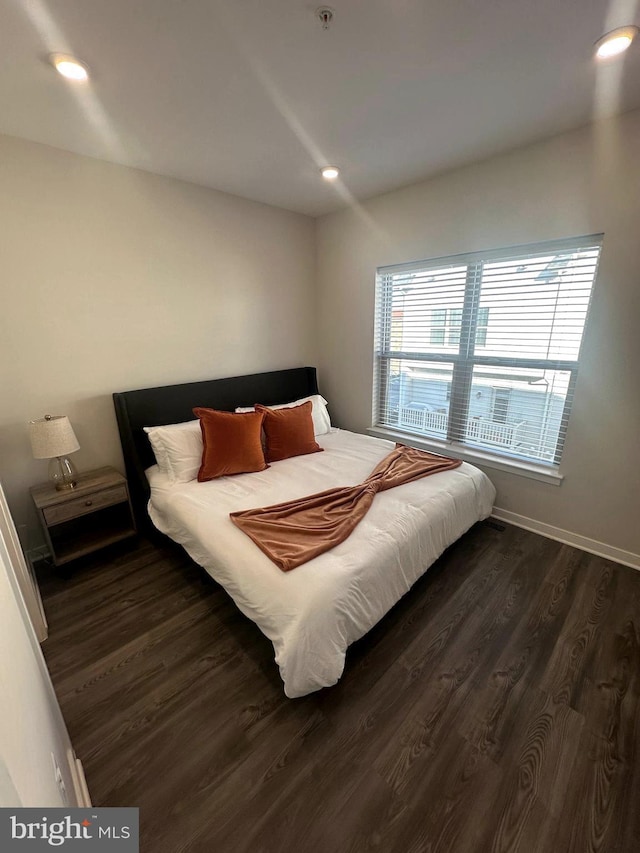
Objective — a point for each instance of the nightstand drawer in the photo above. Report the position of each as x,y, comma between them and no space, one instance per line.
82,506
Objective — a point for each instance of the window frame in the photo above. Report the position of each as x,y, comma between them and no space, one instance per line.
466,357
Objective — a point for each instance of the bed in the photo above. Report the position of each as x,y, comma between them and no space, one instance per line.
313,613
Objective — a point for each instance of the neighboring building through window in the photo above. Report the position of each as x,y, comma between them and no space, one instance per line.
483,349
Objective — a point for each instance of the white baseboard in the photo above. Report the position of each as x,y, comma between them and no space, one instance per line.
80,783
627,558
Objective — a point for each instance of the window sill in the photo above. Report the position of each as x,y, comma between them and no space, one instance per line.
543,473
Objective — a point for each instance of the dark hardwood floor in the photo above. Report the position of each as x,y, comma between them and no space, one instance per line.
496,708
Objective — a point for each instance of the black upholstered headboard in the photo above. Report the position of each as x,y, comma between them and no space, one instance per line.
171,404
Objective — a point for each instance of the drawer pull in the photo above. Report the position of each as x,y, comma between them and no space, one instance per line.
83,505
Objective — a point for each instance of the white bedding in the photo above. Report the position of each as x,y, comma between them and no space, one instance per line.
314,612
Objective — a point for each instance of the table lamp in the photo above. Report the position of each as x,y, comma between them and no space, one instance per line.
52,437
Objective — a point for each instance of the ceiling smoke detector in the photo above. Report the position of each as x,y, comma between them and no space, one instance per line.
325,15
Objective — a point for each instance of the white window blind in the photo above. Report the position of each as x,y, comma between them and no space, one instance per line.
483,349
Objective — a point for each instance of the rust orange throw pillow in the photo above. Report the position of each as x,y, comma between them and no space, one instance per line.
288,432
231,443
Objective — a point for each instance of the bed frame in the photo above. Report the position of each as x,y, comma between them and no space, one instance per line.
171,404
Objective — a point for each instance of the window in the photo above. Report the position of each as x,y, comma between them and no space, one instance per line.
455,325
438,325
481,327
501,398
483,350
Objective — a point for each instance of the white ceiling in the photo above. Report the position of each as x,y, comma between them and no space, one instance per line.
252,96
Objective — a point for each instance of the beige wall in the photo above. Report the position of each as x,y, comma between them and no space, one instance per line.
578,183
112,278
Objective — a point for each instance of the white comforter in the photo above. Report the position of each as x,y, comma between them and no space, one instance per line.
314,612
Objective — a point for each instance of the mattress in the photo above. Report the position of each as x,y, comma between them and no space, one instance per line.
313,613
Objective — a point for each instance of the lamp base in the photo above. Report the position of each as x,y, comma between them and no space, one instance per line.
62,473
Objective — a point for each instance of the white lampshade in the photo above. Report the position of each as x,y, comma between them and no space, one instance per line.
52,436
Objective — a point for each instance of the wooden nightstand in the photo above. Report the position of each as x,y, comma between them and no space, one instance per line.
95,514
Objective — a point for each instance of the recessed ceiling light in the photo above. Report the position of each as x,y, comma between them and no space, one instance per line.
69,67
615,42
330,173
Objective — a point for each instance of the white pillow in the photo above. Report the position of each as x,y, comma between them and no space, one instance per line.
319,413
178,449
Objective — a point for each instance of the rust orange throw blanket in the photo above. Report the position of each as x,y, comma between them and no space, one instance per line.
294,532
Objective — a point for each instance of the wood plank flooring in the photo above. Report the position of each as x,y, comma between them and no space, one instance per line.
495,709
